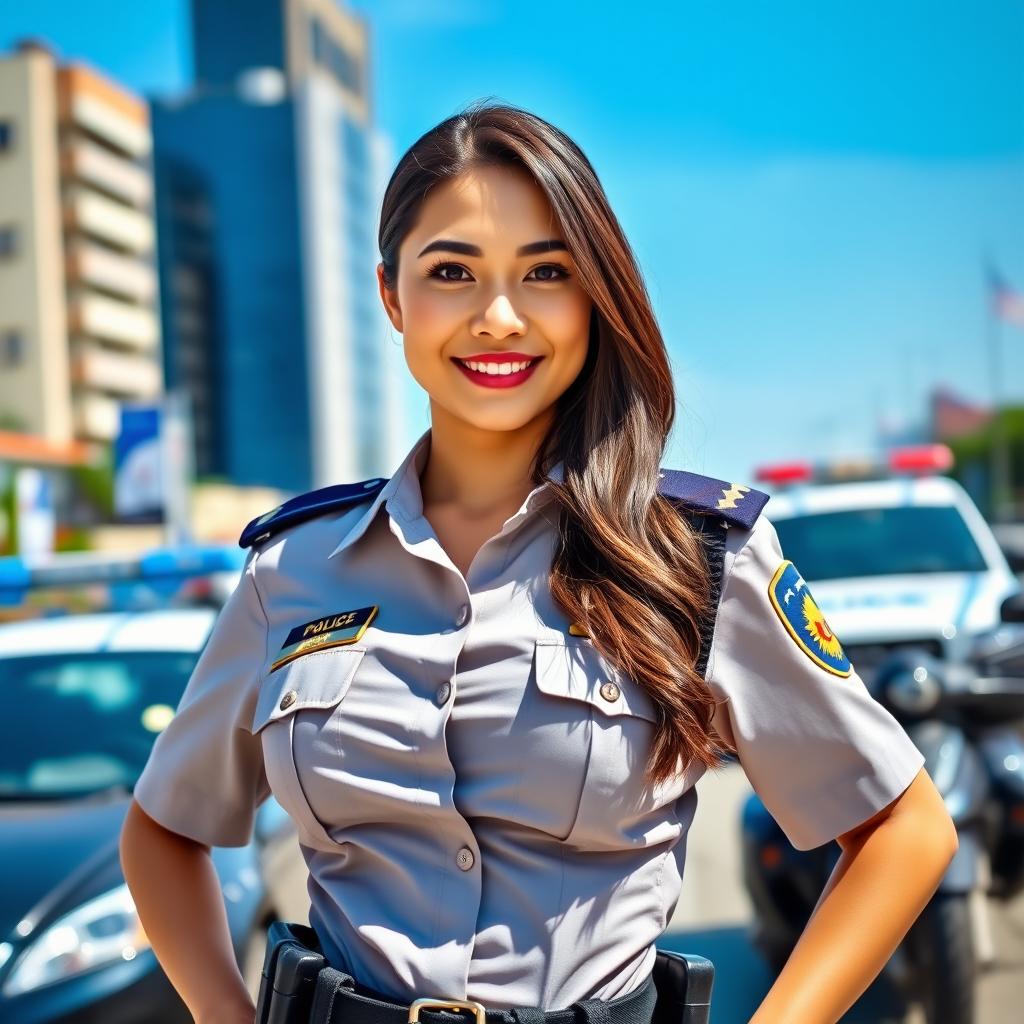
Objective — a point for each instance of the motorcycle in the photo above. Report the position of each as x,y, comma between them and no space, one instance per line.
967,719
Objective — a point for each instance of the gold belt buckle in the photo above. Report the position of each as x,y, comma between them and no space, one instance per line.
447,1004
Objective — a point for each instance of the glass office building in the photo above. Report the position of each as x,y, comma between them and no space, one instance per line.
268,177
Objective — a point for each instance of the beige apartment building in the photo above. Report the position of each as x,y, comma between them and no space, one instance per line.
79,327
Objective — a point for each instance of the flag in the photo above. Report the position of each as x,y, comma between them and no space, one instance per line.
1007,302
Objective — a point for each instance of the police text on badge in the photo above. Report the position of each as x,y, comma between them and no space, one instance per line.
330,631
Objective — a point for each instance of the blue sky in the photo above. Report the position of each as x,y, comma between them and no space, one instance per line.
810,189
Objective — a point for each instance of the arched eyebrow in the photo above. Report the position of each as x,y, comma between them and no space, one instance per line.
468,249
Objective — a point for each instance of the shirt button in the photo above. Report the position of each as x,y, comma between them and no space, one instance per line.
463,615
288,700
609,691
464,858
444,691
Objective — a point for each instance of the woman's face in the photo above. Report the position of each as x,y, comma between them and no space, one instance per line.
484,279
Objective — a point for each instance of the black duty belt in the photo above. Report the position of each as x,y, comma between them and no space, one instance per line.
299,987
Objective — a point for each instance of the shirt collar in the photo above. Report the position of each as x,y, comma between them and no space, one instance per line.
402,496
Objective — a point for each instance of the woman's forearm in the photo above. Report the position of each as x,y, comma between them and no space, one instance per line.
179,901
880,885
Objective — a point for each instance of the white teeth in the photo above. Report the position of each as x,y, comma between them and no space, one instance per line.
495,369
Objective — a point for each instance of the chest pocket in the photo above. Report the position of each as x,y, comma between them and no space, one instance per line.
315,684
609,725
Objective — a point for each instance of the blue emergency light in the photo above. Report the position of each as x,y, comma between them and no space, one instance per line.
159,567
190,561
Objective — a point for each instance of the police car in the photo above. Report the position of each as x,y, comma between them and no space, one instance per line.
84,696
898,554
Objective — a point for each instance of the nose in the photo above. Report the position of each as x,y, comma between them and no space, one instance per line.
498,320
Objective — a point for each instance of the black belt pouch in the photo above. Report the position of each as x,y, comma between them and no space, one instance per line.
292,961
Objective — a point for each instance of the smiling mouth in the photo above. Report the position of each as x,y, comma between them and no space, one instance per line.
497,368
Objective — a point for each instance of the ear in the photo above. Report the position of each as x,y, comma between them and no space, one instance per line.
389,297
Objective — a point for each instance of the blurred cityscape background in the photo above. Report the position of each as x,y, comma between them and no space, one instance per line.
189,324
827,202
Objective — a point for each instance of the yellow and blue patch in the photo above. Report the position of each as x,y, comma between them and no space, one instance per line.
320,634
804,621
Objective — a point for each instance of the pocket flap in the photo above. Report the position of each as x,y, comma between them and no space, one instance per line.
316,680
577,670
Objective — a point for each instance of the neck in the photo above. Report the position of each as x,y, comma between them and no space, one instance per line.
483,472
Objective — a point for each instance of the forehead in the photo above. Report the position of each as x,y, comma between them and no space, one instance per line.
502,204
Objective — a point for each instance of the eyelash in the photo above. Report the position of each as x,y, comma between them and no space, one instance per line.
432,271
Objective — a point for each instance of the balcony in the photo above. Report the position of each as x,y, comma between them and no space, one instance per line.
85,161
98,316
95,214
125,374
106,121
130,276
96,417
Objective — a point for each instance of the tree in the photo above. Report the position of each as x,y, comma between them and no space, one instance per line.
973,462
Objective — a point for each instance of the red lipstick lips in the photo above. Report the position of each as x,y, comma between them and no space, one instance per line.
501,376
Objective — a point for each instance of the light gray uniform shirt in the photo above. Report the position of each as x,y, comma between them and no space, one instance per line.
466,777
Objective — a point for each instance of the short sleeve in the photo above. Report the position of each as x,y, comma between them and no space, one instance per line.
823,755
204,777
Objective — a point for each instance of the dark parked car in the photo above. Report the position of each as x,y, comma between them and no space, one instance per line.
84,697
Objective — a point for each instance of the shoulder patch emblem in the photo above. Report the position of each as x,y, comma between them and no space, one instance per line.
804,621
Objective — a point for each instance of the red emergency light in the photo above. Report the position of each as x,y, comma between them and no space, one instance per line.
781,473
921,458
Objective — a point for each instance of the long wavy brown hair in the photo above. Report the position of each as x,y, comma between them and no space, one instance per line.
628,567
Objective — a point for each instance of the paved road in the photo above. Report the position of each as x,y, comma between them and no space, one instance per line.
713,911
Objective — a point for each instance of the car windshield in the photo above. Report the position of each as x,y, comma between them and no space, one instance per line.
77,724
879,542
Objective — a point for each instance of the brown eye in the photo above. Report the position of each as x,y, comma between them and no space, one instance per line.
438,271
560,272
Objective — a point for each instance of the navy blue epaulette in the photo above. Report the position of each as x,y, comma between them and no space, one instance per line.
736,503
305,506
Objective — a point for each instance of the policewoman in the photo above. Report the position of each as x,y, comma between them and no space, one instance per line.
485,687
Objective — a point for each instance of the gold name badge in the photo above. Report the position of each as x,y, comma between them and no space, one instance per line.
335,630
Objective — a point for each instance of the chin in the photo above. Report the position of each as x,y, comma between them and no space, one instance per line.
498,421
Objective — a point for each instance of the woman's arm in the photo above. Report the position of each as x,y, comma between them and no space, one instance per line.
888,870
178,898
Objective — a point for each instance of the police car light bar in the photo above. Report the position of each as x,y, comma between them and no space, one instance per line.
922,458
83,568
782,473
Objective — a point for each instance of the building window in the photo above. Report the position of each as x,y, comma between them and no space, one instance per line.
8,240
330,55
6,136
12,349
